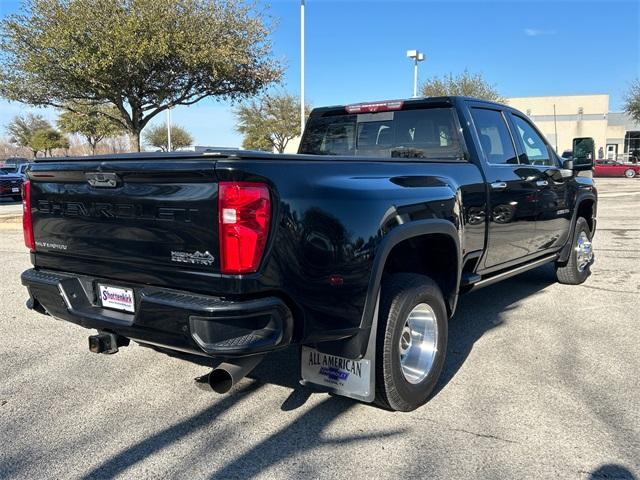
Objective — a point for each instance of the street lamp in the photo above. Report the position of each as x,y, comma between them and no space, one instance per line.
416,56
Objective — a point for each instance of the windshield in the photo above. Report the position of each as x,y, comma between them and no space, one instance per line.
6,170
429,133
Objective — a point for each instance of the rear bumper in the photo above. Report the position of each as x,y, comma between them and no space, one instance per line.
173,319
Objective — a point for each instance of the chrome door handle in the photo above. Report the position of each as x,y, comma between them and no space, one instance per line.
499,185
542,183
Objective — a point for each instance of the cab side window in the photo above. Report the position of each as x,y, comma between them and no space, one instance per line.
495,138
534,145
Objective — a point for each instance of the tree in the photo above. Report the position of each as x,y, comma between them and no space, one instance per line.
92,122
157,137
255,141
466,84
47,139
270,122
22,128
632,100
142,56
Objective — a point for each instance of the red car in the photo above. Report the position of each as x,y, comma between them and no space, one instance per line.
611,168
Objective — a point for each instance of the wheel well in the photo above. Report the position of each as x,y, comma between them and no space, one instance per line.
585,210
434,255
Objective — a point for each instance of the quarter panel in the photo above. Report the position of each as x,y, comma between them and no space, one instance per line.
333,217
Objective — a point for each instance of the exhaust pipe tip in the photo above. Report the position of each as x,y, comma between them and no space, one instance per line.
226,375
220,380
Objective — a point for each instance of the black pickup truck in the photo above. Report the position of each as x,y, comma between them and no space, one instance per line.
356,249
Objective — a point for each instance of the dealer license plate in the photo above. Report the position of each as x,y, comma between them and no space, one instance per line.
118,298
347,377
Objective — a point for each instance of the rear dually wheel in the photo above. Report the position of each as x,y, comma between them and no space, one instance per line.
411,341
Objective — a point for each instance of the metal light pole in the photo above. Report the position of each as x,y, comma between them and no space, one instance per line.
555,125
169,129
301,67
417,57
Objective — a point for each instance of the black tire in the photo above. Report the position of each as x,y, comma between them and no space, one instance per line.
568,272
630,173
400,294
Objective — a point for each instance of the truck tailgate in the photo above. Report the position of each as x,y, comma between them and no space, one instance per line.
123,217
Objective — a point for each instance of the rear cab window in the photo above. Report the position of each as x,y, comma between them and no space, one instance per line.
423,133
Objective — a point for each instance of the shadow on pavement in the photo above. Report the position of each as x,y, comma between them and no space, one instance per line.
482,310
168,436
611,471
302,435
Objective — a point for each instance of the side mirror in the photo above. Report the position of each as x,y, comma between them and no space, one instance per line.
584,151
567,164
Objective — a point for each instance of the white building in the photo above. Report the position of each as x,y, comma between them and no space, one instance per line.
562,118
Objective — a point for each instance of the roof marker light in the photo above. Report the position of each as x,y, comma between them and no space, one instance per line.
375,107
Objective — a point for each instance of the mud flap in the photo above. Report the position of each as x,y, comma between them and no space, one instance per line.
343,376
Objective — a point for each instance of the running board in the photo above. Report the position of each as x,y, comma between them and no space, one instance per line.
511,273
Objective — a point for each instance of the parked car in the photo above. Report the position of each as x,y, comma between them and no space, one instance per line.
613,168
356,249
11,178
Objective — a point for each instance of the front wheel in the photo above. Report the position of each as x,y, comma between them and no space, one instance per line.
577,268
630,173
411,341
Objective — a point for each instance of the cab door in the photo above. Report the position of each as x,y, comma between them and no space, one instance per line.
511,192
553,195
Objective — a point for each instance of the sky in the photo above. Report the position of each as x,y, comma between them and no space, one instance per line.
355,51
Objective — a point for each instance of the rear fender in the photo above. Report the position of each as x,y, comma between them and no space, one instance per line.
355,346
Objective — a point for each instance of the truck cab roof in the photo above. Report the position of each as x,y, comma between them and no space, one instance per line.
404,103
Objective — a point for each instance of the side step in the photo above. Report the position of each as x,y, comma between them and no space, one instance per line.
469,278
484,282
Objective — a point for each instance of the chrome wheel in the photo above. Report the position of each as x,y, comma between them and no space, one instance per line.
630,173
584,251
418,343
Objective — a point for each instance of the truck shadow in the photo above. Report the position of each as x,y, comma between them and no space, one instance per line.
308,428
302,435
483,310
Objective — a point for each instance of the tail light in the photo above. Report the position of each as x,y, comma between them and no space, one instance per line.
244,210
27,224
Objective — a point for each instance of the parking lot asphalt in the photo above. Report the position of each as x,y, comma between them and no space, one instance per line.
10,210
541,381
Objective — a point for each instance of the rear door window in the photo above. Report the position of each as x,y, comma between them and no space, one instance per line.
429,133
495,139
